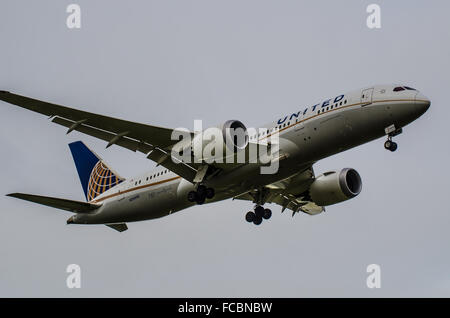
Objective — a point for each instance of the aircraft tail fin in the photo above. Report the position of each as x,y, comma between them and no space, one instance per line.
95,176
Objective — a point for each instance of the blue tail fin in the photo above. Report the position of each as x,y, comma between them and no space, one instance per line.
95,176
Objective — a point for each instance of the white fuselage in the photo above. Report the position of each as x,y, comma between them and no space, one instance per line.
306,136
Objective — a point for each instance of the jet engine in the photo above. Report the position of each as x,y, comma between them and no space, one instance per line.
235,134
334,187
215,143
228,138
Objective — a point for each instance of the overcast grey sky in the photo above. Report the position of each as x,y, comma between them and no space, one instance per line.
169,62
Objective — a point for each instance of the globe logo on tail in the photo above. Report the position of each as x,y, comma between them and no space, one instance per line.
101,180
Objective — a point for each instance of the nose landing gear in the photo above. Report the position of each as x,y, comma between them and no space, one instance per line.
258,215
391,131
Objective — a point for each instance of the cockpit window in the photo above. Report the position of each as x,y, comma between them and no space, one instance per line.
410,88
398,89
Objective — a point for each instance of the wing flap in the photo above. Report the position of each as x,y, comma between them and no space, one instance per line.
164,158
291,193
123,141
63,204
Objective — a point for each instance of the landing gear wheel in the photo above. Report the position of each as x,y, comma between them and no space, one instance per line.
201,194
257,220
209,193
259,211
192,196
201,190
267,214
200,199
393,146
390,145
250,216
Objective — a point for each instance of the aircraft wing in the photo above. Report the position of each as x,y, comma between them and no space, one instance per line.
151,140
297,203
291,193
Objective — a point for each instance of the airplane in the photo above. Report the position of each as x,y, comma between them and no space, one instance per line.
304,137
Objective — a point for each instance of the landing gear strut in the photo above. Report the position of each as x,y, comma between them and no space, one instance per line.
391,131
201,194
258,215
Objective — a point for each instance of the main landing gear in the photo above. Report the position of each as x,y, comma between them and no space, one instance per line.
258,215
201,194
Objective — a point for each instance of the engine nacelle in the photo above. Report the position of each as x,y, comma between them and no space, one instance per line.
235,134
334,187
228,138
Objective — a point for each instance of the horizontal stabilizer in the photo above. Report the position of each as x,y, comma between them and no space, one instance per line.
118,226
63,204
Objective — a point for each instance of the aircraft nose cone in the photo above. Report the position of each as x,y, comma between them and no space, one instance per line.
422,103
